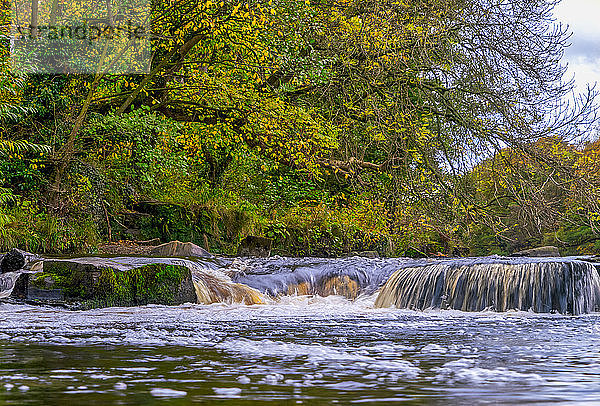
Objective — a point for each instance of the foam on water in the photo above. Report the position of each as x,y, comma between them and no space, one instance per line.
167,393
451,374
303,347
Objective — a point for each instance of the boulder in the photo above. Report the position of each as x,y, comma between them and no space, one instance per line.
85,283
17,259
12,261
548,251
179,249
255,247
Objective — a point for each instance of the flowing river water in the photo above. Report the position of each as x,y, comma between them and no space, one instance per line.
297,349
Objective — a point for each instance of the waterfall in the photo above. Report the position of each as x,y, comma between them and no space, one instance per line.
564,286
7,283
348,277
213,288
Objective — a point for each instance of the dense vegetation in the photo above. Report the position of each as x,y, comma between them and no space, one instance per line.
407,127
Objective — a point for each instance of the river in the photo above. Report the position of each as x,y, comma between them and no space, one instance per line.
296,350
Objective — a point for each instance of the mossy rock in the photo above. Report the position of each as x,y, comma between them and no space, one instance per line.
92,283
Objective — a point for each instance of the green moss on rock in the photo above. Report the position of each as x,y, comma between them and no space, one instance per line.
46,281
93,285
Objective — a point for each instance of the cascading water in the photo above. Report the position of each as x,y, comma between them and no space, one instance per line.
214,286
564,285
7,282
542,286
348,277
218,288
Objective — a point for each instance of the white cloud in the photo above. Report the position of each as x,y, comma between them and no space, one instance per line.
584,71
581,15
583,56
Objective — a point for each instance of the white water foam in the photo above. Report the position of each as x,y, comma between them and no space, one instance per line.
462,371
228,392
167,393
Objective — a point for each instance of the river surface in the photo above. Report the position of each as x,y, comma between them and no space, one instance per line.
299,350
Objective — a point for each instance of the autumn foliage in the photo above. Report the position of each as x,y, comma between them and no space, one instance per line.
417,127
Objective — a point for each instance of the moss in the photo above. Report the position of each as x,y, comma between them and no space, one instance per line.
113,288
158,283
47,281
102,287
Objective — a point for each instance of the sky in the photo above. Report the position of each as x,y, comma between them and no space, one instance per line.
583,56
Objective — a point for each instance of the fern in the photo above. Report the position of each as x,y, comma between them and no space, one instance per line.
18,146
6,196
12,111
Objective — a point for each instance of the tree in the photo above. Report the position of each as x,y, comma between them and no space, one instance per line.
413,104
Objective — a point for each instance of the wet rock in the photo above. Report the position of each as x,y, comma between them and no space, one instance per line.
338,285
179,249
12,261
341,285
100,282
252,246
20,287
17,259
548,251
